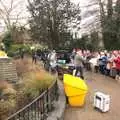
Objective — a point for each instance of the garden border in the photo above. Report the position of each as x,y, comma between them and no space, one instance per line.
39,108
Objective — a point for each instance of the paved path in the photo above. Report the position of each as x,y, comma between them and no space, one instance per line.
104,84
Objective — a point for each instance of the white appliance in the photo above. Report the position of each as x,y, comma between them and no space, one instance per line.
102,101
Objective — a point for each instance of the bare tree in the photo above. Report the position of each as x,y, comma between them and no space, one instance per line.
10,12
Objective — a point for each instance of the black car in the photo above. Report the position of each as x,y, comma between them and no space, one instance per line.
64,55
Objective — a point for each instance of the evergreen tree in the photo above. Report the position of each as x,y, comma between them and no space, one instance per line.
50,19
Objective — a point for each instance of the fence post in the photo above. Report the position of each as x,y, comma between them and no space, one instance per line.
39,107
48,101
56,91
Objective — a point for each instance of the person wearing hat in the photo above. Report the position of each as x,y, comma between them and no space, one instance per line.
78,61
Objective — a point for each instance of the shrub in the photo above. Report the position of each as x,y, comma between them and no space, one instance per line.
7,99
34,79
4,85
36,82
6,107
21,99
7,40
14,49
25,66
22,66
6,90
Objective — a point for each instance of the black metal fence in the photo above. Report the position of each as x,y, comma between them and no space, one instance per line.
40,107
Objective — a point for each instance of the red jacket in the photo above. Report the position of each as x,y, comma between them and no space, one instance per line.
117,63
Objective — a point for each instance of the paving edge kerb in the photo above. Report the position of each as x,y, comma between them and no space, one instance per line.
60,105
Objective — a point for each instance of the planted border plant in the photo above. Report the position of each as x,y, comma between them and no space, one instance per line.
7,99
33,80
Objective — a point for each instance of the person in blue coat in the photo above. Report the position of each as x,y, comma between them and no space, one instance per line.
103,62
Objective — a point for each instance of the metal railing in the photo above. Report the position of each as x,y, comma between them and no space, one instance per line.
39,108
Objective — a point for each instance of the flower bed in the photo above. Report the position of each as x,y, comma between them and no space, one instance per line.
33,81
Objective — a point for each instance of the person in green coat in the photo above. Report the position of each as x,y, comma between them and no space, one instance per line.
78,61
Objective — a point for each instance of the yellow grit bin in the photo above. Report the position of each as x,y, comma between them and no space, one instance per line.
2,54
75,89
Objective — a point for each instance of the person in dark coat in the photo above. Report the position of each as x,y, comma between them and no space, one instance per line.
34,57
21,52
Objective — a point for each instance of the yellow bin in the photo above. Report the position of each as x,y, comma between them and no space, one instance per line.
2,54
75,89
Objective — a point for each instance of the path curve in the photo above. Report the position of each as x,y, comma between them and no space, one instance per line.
97,82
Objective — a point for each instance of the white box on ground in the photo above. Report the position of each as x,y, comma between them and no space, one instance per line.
102,101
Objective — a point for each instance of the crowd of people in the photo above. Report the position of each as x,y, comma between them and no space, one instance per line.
104,62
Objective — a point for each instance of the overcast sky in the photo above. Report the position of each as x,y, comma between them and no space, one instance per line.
87,20
22,11
18,9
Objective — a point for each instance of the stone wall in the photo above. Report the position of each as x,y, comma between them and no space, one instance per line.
8,70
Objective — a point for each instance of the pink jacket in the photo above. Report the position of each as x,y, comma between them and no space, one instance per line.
117,63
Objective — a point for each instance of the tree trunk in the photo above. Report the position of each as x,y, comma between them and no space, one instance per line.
101,32
109,9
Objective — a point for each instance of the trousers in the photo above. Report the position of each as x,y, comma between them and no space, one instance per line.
79,70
